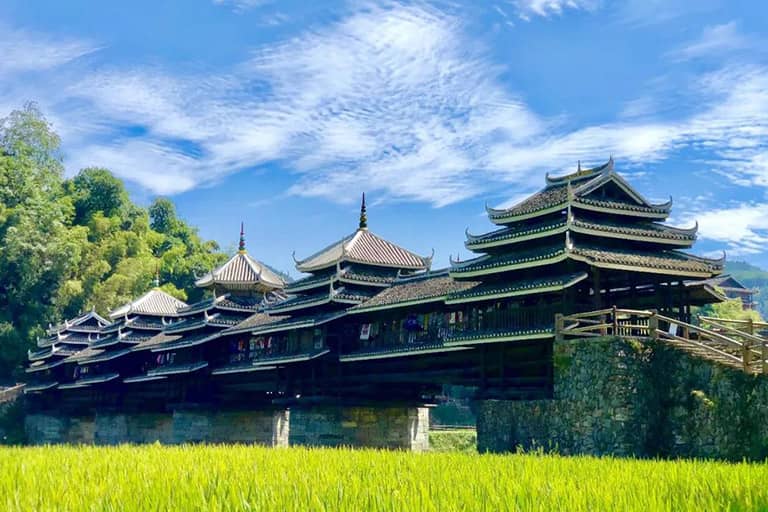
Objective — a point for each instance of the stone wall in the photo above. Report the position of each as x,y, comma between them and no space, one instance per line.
376,427
630,398
266,427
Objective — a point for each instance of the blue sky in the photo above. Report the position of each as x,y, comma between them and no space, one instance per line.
280,113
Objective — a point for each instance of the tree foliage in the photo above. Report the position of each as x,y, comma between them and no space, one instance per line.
67,245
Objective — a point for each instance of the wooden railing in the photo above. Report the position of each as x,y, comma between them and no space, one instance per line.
732,341
10,394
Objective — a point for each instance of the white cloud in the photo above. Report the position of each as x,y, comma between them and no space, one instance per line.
395,100
743,227
24,51
242,5
526,9
713,42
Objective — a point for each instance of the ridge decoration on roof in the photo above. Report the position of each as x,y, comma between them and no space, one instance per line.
96,321
155,302
242,270
574,189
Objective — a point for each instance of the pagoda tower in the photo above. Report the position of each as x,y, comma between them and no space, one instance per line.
595,239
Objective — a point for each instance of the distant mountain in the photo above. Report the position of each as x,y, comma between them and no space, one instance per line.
751,277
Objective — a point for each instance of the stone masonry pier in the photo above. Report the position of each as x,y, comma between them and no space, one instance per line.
376,427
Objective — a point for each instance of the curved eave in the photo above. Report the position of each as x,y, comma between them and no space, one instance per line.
175,345
627,212
501,337
480,244
262,285
32,369
302,305
243,369
629,235
461,273
516,293
177,370
703,274
82,383
363,281
424,300
501,217
103,357
37,388
346,259
311,285
143,378
406,352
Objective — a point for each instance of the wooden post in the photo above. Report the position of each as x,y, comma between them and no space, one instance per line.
764,357
746,354
615,322
653,326
559,326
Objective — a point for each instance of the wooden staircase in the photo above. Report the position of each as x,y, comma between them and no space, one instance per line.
733,343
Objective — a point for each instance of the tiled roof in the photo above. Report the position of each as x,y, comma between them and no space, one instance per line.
518,259
555,196
268,363
87,321
656,262
435,286
363,246
518,231
242,269
155,302
613,229
186,341
515,288
255,320
641,230
299,322
238,303
156,340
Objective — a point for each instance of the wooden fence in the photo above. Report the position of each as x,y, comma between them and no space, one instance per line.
732,341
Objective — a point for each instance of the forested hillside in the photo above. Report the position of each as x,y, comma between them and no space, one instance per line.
67,245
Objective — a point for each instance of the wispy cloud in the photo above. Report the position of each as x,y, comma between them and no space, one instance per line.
714,41
527,9
398,100
242,5
25,51
743,227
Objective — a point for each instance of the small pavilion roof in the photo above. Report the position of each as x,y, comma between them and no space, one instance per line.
242,270
155,302
367,248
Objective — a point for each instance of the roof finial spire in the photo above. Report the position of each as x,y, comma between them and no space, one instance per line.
157,277
363,216
579,167
241,247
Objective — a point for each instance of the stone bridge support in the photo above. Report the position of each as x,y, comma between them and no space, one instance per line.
373,426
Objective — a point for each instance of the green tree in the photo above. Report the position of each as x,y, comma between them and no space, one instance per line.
96,190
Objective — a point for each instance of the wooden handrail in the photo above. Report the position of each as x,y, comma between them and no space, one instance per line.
733,321
752,349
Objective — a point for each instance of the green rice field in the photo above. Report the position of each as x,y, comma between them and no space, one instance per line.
153,477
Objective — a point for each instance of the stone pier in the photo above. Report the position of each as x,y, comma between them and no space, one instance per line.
267,427
404,427
376,427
